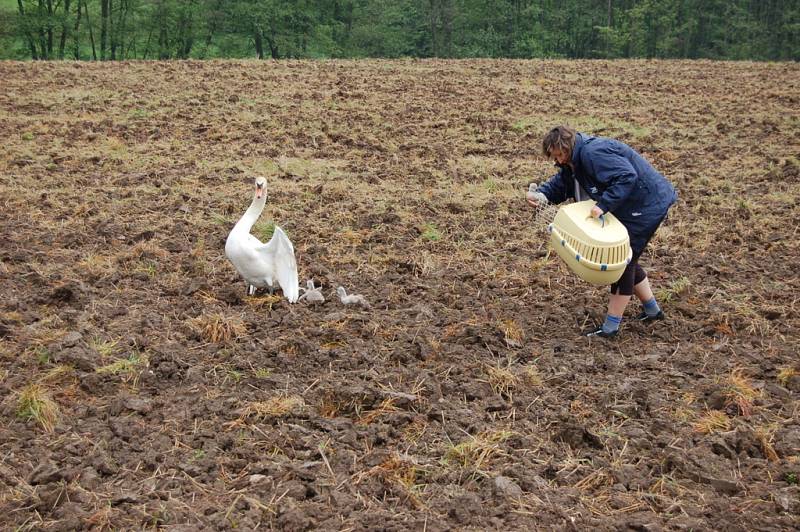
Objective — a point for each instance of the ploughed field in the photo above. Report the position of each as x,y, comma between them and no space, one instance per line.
140,387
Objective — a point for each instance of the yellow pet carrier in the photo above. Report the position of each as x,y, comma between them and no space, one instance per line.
596,250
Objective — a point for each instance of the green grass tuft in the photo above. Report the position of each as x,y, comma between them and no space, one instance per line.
36,404
431,233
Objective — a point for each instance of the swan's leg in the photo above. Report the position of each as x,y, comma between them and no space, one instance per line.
251,290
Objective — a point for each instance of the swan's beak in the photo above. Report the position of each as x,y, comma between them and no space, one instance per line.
259,191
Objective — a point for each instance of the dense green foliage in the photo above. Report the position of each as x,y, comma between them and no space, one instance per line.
161,29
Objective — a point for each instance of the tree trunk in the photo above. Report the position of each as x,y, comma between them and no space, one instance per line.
28,36
147,44
163,36
186,36
42,32
121,29
75,33
273,48
49,29
64,30
91,31
441,28
447,27
272,42
187,46
212,26
103,28
609,22
258,36
113,37
434,47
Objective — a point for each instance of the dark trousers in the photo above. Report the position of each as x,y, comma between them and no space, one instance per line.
633,274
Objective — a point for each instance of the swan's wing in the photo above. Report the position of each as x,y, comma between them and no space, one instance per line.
280,251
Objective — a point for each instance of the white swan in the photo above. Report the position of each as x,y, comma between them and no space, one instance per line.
355,299
262,264
311,294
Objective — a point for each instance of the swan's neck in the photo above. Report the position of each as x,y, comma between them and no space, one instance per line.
250,216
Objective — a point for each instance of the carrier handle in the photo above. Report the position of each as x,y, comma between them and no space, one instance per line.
602,219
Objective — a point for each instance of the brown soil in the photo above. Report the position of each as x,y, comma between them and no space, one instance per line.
465,397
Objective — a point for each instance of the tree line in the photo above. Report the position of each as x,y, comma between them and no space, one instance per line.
181,29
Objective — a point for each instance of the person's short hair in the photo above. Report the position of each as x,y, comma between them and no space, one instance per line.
561,138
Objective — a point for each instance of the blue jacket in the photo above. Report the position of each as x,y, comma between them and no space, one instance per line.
621,182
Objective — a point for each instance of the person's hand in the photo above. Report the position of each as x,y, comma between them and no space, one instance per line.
534,197
597,212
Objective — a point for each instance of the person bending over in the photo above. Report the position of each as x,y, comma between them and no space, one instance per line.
621,182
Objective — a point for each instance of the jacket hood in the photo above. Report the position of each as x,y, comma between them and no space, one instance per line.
580,140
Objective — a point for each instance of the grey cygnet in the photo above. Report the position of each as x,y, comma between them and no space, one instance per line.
311,294
355,299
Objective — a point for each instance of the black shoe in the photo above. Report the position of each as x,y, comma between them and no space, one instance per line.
599,332
643,317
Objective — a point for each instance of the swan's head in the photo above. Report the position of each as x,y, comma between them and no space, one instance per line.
341,292
261,187
310,284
